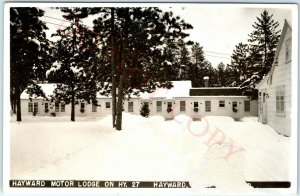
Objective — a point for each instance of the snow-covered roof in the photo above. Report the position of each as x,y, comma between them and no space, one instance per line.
179,89
47,89
262,82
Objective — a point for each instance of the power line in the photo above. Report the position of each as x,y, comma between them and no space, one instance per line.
218,56
216,52
219,53
63,21
55,24
56,18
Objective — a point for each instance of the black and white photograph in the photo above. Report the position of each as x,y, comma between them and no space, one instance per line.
150,98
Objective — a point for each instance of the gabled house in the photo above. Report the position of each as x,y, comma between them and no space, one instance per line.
275,89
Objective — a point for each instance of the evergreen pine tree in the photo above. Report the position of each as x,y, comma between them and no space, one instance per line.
240,64
263,42
211,72
139,55
221,74
231,76
184,61
198,64
72,70
30,53
171,57
264,38
145,111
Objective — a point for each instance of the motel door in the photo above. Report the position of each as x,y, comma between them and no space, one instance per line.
263,106
235,109
169,110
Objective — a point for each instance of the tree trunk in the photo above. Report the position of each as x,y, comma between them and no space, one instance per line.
265,56
113,69
13,103
73,106
18,100
120,89
14,106
120,104
73,93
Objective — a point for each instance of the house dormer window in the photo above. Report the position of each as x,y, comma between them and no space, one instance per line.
288,50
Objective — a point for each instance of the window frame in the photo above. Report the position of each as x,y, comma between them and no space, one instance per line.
158,107
46,106
62,107
56,106
130,107
36,107
221,103
107,105
247,107
182,105
234,103
280,100
30,107
196,104
207,106
235,106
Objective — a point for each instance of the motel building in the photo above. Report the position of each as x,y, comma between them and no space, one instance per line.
181,99
272,108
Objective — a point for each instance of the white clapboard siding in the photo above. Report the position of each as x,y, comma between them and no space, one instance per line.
281,75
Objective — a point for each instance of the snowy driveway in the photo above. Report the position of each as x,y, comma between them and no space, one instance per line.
205,153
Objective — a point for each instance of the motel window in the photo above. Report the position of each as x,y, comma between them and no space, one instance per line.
46,107
221,104
62,107
94,107
182,106
130,106
56,107
35,107
107,104
280,100
288,50
196,104
247,106
207,106
159,106
30,108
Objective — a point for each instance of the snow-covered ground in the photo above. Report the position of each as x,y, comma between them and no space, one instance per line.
216,151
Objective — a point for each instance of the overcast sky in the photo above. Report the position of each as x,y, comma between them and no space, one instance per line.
218,28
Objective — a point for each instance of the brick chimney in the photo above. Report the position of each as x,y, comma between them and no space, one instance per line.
205,78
